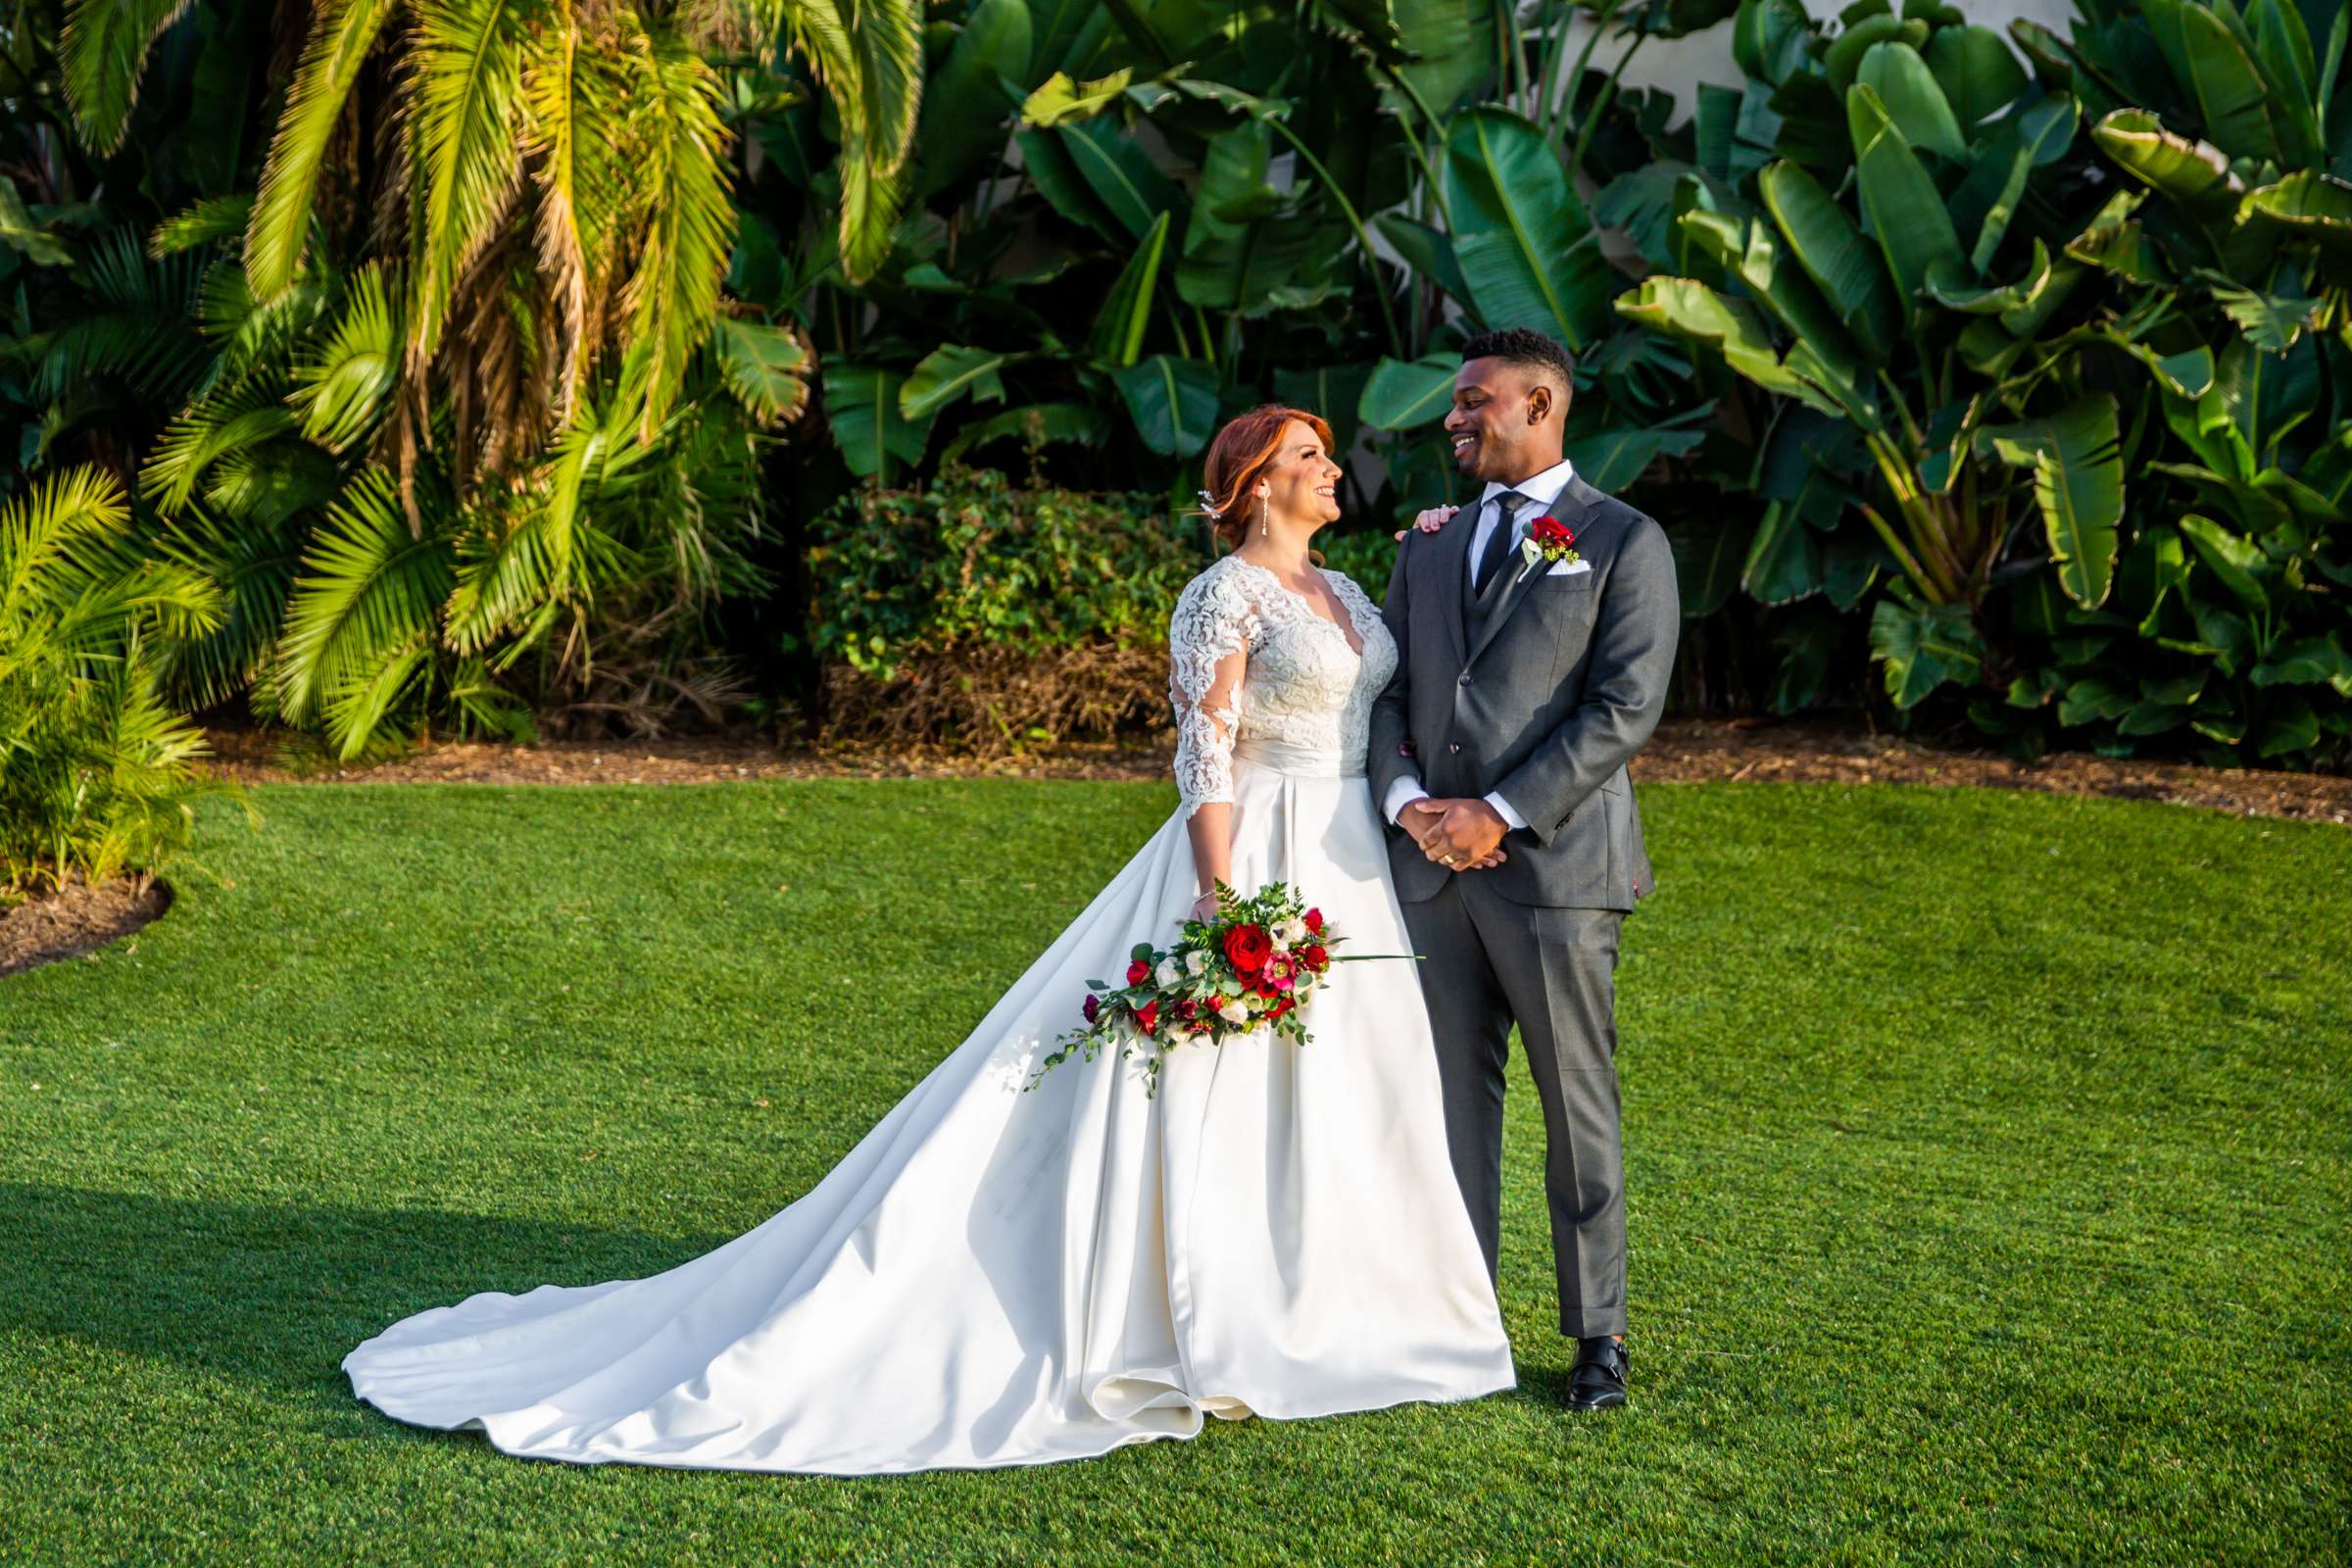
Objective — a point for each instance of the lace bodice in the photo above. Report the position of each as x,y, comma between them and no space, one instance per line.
1295,680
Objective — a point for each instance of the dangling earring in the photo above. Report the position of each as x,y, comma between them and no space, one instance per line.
1261,518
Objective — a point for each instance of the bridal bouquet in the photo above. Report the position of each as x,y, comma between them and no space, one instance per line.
1249,971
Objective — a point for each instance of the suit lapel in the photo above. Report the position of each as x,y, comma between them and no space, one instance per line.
1573,505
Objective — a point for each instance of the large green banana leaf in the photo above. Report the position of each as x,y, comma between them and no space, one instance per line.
1525,244
1908,215
2077,462
965,103
1978,74
2194,173
1174,402
1985,202
1687,309
1914,99
1119,335
861,405
2219,75
1834,255
1399,395
950,372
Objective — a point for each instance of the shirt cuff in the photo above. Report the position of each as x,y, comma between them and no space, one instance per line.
1503,808
1402,794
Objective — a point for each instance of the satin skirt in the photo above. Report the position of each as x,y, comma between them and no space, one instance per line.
996,1276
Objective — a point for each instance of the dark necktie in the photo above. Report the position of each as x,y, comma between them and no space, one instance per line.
1499,542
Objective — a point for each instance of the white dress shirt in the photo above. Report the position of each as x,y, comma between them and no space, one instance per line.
1543,489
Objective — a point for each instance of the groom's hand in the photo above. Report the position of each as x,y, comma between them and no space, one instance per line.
1463,835
1460,833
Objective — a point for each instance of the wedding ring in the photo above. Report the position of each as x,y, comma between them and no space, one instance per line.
1446,858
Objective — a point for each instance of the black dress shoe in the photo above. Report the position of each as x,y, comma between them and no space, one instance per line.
1597,1380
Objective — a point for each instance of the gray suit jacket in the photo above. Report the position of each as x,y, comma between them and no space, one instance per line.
1543,702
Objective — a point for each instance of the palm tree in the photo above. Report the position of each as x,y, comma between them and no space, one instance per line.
95,769
549,178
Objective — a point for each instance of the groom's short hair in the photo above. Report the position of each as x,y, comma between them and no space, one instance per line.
1528,348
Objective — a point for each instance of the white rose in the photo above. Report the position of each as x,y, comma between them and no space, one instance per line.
1234,1010
1289,933
1195,962
1169,973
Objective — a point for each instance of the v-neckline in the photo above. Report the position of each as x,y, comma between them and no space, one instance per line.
1347,632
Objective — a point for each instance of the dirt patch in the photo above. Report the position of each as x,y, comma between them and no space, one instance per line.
77,918
1682,749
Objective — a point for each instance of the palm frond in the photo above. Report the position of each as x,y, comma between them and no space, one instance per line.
870,64
341,37
363,601
213,218
578,102
672,298
38,530
466,64
214,426
346,382
104,52
766,368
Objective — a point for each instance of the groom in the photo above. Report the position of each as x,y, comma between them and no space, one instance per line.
1523,684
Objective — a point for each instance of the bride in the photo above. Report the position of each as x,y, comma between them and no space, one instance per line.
998,1276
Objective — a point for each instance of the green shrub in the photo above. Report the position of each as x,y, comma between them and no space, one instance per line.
96,773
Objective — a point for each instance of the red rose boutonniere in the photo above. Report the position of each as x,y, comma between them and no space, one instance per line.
1549,541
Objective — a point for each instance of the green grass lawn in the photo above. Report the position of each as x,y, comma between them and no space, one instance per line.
1987,1164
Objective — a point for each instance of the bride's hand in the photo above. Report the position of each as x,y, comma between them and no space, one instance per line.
1204,908
1429,521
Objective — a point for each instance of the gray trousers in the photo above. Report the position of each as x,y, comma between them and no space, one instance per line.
1489,963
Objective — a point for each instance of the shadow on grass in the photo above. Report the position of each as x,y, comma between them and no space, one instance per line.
275,1295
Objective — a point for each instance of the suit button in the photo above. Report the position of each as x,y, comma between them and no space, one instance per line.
1465,678
1452,748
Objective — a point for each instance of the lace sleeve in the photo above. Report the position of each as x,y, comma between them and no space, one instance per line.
1209,642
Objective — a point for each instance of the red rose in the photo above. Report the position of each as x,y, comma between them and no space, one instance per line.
1316,960
1138,972
1314,921
1551,531
1146,1017
1093,1006
1246,948
1280,1007
1186,1009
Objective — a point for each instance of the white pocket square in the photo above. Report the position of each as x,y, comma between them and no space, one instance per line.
1568,568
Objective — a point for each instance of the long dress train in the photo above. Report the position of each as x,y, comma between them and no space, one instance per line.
995,1277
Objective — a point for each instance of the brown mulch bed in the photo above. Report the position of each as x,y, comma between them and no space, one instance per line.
1684,750
77,918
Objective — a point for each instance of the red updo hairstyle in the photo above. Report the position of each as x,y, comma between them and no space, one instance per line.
1239,457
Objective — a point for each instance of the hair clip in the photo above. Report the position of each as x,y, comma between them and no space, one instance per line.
1209,503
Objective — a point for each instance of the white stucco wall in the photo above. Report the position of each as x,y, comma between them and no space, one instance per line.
1680,64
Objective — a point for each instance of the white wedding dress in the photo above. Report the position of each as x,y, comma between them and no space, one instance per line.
996,1277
